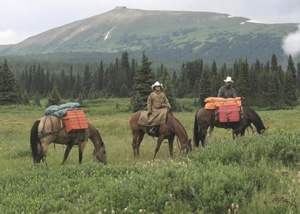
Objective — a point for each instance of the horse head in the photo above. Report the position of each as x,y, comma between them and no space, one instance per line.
100,153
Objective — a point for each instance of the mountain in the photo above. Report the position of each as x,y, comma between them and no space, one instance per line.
166,36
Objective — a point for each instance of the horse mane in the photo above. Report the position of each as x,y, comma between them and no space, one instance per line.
178,122
98,133
257,120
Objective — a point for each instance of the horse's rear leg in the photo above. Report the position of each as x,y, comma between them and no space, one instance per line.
159,141
203,133
137,138
44,148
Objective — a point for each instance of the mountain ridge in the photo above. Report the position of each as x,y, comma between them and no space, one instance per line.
167,36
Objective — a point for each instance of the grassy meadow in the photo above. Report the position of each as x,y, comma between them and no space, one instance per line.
257,172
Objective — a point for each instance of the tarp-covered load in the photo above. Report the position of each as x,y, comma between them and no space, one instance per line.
215,102
61,110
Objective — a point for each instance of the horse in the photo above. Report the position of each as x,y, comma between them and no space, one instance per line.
205,118
168,131
51,129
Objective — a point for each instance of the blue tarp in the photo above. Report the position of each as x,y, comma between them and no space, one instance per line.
61,110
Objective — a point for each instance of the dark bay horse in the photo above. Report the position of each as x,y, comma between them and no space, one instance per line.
166,131
207,118
50,129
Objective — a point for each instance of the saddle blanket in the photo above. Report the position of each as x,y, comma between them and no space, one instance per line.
75,120
229,113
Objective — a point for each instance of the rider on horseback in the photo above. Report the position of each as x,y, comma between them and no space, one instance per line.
226,91
156,103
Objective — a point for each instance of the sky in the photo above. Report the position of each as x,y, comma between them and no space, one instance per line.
20,19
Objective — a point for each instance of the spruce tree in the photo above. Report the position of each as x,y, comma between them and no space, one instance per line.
8,91
54,98
289,90
143,80
291,68
169,90
25,99
204,87
37,100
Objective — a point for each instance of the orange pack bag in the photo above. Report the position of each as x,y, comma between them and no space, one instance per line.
75,120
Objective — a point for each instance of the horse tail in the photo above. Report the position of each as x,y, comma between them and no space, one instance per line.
34,139
196,128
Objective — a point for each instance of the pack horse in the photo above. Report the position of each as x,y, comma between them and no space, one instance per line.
234,117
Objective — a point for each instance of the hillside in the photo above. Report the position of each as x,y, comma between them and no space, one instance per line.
166,36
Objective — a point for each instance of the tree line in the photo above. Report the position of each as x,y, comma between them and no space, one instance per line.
262,84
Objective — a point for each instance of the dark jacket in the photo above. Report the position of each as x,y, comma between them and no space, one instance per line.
226,92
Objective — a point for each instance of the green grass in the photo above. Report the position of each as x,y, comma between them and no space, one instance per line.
257,172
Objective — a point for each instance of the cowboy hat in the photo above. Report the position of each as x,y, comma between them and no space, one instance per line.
228,79
156,84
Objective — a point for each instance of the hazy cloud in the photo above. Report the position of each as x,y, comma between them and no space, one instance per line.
291,44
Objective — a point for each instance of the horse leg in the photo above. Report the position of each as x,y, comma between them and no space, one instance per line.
140,138
68,149
44,147
81,148
171,140
203,133
159,141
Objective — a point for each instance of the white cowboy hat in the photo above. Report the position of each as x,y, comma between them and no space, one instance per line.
156,84
228,79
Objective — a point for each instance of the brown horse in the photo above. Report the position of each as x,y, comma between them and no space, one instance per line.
51,129
166,131
207,118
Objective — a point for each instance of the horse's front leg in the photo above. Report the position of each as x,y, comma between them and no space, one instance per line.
171,140
81,148
159,141
68,149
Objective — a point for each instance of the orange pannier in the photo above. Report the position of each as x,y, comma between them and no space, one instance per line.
75,120
229,113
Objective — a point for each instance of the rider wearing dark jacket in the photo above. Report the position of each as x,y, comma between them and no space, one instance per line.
226,91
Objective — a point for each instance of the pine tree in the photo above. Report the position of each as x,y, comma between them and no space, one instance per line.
242,87
143,80
204,87
25,99
291,68
137,102
37,100
274,64
169,90
8,92
54,98
289,90
86,81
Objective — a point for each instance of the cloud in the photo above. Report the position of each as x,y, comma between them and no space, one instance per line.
291,43
8,36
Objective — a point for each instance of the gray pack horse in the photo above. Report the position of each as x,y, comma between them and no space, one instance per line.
168,131
206,118
51,129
